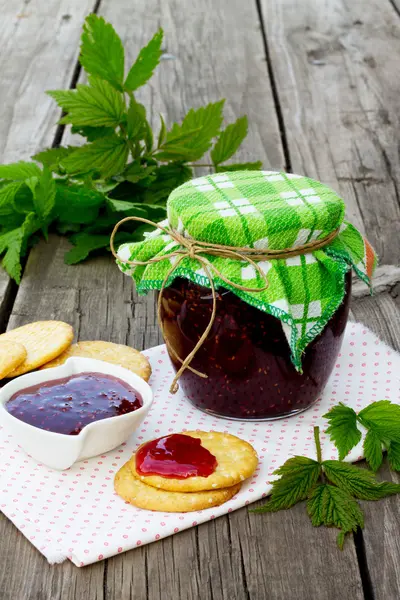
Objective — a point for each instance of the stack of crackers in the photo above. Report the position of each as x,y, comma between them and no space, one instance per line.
46,344
237,461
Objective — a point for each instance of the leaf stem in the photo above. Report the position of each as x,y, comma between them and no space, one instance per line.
317,444
128,141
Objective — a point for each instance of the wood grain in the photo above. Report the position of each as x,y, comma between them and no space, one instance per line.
39,49
380,536
336,66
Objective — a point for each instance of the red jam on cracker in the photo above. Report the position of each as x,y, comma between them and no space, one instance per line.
175,456
67,405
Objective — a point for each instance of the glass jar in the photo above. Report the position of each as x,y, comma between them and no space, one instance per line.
246,355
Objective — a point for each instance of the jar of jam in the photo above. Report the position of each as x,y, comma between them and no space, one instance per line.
246,357
254,273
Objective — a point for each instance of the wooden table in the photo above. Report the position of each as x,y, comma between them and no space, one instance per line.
320,84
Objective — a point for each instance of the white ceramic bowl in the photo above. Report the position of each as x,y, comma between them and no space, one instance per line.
60,451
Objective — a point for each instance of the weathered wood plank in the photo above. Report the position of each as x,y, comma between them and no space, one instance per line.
381,539
39,49
334,65
39,42
217,53
26,575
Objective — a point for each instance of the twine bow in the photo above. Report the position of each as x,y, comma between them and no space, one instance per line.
190,248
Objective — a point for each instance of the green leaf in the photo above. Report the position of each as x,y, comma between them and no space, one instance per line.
175,153
208,120
107,155
394,456
102,52
182,137
136,118
52,157
147,60
168,177
163,132
333,507
373,450
7,195
136,171
92,133
250,166
384,418
86,243
44,195
229,141
13,243
19,171
343,429
95,105
77,204
129,209
360,483
299,475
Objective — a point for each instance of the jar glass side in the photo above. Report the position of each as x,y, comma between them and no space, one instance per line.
246,355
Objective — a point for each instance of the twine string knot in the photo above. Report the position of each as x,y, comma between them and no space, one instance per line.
197,250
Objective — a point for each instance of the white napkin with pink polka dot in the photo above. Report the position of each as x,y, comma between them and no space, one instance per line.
75,514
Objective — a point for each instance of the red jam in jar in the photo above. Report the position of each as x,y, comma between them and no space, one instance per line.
246,355
176,456
67,405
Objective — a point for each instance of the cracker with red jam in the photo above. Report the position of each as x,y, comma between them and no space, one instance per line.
139,494
235,461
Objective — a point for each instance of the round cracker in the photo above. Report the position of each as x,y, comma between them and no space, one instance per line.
145,496
117,354
43,340
12,354
237,460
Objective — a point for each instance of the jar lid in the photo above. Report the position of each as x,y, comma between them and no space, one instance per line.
266,211
257,209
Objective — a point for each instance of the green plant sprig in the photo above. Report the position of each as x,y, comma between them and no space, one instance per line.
381,420
331,489
123,168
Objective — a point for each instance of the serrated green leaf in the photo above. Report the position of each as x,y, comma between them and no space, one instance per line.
92,133
394,456
175,153
360,483
136,171
102,52
299,475
85,243
250,166
168,177
44,195
229,141
107,155
163,132
94,105
333,507
53,156
182,137
343,429
77,204
13,243
129,209
373,450
208,120
136,118
384,418
7,195
19,171
147,60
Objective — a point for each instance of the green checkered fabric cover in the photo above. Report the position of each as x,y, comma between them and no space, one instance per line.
262,210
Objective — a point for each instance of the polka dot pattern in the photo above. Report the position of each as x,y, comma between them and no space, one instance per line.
75,514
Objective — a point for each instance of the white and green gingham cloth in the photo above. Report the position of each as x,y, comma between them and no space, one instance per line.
262,210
